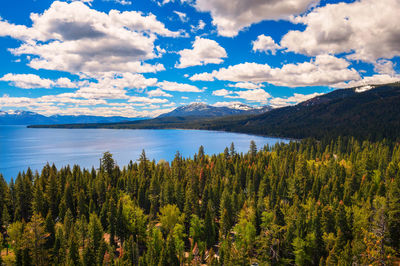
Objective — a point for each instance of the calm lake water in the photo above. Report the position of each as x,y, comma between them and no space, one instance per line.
22,147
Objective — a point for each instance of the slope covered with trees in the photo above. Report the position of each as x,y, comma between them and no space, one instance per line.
303,203
372,114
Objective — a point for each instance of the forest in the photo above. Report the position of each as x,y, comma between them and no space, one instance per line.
370,115
308,202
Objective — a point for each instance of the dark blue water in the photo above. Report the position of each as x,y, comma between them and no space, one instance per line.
21,147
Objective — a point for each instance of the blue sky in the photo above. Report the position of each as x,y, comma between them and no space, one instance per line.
142,58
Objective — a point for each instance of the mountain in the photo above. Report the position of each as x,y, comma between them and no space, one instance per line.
371,113
31,118
205,110
364,112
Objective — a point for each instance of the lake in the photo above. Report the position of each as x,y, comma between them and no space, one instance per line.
22,147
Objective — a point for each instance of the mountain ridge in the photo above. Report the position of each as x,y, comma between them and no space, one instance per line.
21,117
205,110
372,114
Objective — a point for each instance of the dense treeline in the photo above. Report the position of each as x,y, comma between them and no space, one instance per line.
373,115
303,203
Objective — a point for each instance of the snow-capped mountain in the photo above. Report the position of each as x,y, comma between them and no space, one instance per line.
205,110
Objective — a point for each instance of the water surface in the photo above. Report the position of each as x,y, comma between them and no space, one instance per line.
22,147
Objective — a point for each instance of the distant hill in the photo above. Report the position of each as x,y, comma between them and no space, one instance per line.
32,118
365,112
205,110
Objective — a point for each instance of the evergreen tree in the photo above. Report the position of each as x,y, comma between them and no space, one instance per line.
36,234
307,202
108,163
232,150
168,254
253,148
73,253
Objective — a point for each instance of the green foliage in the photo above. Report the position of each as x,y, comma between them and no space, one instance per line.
170,216
107,162
305,203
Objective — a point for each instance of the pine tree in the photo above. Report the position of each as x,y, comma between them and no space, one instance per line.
394,213
50,229
232,150
226,221
95,231
168,254
52,194
73,253
253,148
24,194
200,154
131,253
108,163
36,235
120,228
209,225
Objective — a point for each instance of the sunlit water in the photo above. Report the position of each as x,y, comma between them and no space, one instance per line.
22,147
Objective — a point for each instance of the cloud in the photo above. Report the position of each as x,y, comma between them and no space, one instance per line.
265,44
227,104
385,67
163,2
204,52
324,70
182,16
245,85
222,92
256,95
232,16
123,2
365,29
174,86
141,99
200,26
292,100
63,104
73,37
31,81
376,79
89,2
202,77
84,1
158,93
114,86
47,100
169,105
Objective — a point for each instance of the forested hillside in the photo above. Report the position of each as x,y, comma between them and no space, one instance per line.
372,115
303,203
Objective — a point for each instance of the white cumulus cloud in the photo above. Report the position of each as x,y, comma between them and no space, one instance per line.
367,29
265,44
73,37
376,79
175,86
32,81
292,100
158,93
256,95
182,16
324,70
232,16
204,51
245,85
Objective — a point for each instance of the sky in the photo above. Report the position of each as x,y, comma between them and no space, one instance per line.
142,58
